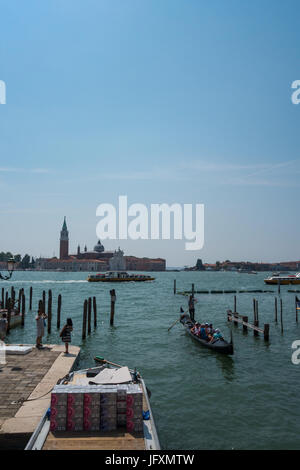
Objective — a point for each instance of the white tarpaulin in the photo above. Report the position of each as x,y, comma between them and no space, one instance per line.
15,349
112,376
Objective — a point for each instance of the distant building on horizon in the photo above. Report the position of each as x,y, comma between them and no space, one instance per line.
95,260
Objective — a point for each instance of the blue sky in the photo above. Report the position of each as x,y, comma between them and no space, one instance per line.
164,101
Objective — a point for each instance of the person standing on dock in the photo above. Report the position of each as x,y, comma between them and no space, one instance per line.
65,334
40,326
3,326
192,307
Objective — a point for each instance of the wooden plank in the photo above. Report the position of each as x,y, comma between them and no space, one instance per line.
113,440
232,318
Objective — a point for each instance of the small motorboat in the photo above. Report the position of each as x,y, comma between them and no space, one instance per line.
220,345
101,408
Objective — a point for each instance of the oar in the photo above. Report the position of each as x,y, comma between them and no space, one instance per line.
176,321
174,324
105,361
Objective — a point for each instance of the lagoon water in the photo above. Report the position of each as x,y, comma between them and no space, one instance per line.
200,400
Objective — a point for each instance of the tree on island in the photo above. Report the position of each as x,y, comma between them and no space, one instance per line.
5,256
25,263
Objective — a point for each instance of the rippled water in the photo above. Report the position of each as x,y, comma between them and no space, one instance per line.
201,400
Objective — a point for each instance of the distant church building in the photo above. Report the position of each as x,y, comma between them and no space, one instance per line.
64,242
117,262
96,260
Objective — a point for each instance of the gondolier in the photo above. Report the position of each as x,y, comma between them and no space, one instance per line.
192,307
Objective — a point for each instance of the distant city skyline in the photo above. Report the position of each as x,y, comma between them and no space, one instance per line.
165,102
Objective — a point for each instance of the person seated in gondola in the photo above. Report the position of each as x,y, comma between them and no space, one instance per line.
208,330
195,329
203,334
217,335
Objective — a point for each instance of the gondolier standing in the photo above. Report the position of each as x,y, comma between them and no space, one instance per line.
192,307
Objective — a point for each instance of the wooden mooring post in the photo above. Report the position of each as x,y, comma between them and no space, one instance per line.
296,307
112,306
49,310
2,298
58,311
30,298
13,296
44,301
23,309
85,306
245,320
237,318
89,315
174,286
19,307
281,322
234,304
8,315
276,309
95,312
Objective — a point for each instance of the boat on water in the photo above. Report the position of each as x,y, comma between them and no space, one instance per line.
283,280
122,418
219,345
246,271
119,276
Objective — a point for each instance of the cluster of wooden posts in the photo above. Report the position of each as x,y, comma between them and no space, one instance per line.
87,316
47,309
87,313
237,318
15,304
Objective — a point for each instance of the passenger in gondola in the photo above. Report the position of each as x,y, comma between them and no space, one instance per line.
203,334
217,335
195,328
208,331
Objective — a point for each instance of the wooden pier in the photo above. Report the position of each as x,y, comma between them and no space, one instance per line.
236,318
25,385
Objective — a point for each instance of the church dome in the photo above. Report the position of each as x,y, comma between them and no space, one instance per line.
99,247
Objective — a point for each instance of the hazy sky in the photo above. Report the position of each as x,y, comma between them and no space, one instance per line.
183,101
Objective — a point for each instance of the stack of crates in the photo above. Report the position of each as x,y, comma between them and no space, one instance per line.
108,404
134,412
96,408
91,409
75,408
121,405
58,417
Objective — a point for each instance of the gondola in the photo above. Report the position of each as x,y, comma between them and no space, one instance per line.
219,345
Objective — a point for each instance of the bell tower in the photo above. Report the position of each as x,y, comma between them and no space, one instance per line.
64,242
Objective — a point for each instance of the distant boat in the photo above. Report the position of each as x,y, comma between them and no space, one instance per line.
283,280
246,271
119,276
